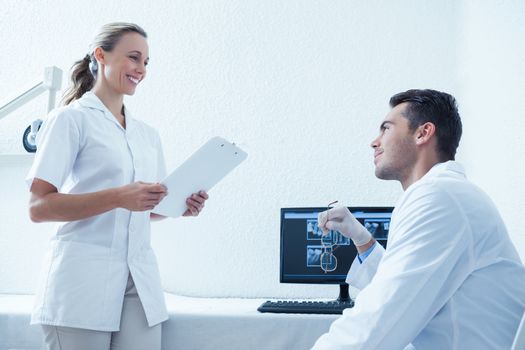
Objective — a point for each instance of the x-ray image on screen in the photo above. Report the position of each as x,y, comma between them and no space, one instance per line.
335,238
313,232
313,255
340,239
378,227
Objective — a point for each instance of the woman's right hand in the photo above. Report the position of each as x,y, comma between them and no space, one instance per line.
141,196
47,204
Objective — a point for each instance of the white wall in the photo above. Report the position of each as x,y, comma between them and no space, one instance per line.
301,85
492,85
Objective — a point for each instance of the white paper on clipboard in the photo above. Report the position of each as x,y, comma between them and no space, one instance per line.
201,171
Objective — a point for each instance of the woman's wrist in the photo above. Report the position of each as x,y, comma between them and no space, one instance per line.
115,197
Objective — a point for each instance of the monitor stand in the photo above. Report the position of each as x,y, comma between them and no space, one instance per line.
344,296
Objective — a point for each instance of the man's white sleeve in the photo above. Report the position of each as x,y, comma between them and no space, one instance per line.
426,261
360,274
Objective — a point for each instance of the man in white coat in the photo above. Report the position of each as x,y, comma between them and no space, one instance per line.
450,277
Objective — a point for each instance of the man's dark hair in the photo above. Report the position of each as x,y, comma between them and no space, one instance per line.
436,107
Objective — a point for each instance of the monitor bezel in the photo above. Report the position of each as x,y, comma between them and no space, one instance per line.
319,209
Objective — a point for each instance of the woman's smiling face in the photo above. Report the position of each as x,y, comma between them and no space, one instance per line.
125,66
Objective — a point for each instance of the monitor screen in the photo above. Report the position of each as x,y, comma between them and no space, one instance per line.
309,257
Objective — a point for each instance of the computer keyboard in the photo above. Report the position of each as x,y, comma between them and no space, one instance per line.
306,307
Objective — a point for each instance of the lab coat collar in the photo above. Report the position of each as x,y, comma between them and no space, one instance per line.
439,168
90,100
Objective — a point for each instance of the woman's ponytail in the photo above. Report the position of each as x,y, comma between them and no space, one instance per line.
82,79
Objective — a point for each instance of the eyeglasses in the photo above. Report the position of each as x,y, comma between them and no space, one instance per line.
328,259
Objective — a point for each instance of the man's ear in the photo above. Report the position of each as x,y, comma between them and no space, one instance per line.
425,132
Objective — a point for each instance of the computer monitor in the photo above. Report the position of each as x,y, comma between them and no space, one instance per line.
302,248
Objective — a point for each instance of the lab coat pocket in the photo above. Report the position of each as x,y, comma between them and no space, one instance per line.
77,282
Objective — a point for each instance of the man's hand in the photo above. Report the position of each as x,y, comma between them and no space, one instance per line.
141,196
340,219
195,203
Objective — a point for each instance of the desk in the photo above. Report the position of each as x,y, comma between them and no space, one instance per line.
194,323
203,324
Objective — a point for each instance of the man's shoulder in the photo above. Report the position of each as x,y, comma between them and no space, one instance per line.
435,187
447,181
446,193
425,194
436,194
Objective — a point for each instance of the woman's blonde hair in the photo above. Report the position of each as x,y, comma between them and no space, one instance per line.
84,72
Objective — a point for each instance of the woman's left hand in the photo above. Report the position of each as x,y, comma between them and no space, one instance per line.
195,203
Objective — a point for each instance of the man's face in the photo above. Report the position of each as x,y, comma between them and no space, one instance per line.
395,147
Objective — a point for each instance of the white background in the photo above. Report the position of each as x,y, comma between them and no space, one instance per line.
301,85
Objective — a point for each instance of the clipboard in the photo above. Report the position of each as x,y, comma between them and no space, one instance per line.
201,171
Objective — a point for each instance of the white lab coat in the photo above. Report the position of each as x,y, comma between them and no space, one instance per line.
81,149
450,277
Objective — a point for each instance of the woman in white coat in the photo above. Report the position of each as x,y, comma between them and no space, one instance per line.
96,171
